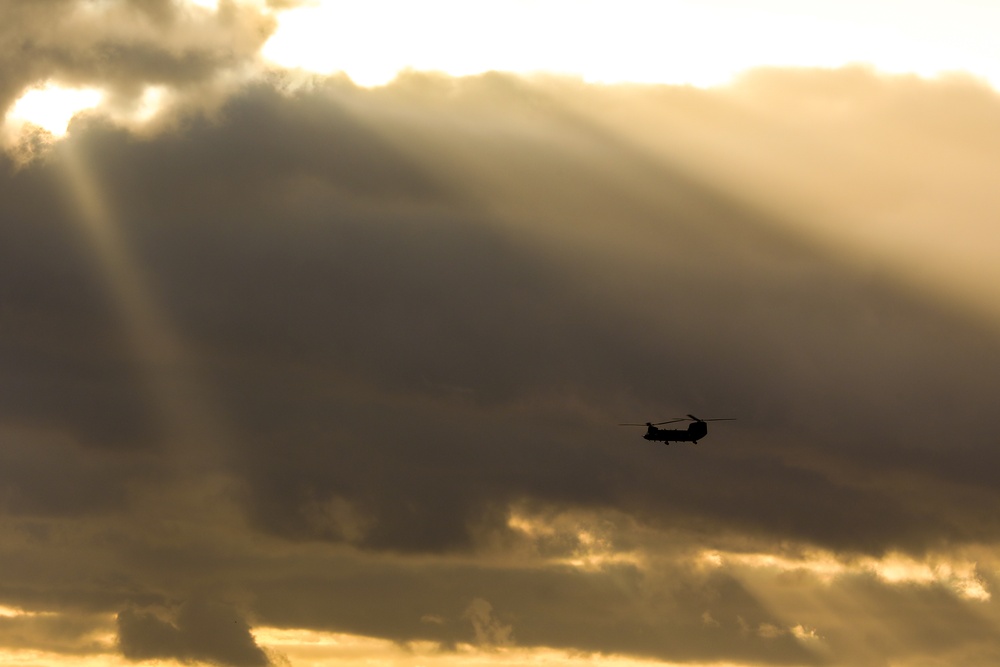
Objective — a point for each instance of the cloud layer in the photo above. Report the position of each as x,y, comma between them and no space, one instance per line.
416,315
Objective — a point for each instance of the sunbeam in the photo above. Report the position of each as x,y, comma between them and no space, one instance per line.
179,395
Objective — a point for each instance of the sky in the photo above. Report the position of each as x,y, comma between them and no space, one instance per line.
318,322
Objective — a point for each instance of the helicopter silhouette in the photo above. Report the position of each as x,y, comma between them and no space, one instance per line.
696,430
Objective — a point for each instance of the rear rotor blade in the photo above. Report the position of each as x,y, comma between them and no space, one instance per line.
718,419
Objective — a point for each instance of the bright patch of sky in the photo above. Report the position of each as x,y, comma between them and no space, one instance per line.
52,107
958,575
675,41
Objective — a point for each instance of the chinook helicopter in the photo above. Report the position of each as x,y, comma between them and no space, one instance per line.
696,430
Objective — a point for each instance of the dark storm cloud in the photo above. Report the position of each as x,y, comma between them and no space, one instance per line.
420,305
48,474
351,253
203,631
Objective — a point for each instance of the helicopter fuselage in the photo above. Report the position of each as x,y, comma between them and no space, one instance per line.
693,433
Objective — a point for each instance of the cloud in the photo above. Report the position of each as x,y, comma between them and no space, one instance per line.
47,474
490,631
202,631
124,48
420,312
399,263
